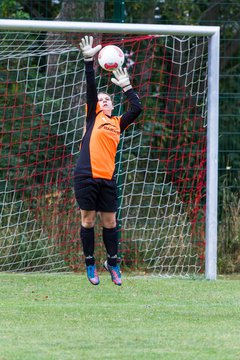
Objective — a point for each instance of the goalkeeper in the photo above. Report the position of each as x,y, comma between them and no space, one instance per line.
94,176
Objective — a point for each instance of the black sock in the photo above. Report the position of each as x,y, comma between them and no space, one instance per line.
87,237
110,239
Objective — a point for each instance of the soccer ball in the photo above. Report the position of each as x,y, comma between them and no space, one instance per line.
111,57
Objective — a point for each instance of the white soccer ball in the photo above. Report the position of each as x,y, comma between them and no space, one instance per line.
111,57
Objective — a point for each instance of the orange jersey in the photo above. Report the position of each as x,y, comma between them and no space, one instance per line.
103,145
102,136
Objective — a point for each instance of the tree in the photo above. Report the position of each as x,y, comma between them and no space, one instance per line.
81,11
13,9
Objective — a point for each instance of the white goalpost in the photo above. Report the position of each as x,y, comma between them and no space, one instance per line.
167,162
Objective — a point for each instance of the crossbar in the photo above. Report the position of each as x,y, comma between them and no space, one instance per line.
126,28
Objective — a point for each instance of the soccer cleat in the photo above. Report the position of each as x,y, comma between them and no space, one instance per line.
92,274
115,273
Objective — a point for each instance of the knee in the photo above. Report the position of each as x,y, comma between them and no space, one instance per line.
109,222
88,223
88,219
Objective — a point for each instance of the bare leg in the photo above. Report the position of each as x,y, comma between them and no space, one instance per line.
88,218
108,219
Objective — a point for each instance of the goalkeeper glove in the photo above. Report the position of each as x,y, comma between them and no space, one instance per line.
122,79
88,50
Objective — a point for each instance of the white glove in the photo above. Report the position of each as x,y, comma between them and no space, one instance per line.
87,50
122,79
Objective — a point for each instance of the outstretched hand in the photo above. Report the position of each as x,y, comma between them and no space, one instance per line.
121,79
88,51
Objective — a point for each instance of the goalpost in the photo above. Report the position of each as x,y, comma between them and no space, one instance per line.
167,162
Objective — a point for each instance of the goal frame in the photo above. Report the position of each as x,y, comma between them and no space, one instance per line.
213,32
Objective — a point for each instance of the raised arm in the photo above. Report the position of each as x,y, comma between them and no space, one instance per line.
122,79
88,51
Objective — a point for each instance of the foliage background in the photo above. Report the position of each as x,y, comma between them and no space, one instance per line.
199,12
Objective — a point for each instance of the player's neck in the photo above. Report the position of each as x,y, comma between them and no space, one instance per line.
107,112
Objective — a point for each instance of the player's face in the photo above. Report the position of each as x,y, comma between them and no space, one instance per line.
105,103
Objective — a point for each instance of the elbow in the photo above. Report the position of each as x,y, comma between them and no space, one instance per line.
136,109
136,112
140,109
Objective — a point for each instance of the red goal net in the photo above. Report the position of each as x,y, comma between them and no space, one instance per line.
161,160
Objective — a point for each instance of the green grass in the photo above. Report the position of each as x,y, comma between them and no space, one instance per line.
64,317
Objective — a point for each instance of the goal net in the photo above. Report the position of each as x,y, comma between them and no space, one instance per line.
161,160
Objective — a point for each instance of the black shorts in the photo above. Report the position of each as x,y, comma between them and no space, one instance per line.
96,194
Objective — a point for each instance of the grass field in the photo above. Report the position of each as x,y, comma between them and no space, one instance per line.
64,317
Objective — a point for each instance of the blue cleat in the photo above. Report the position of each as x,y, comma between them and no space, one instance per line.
115,273
92,274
